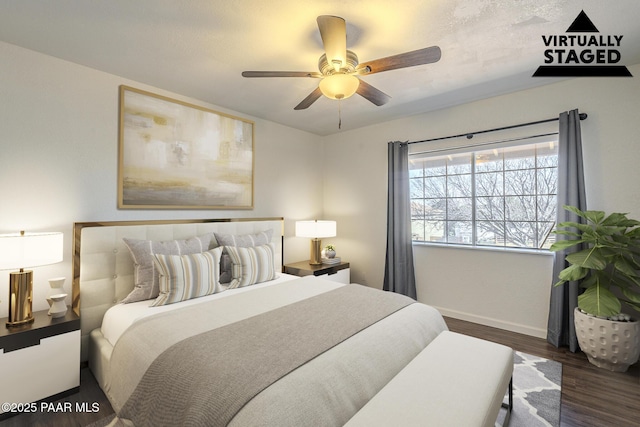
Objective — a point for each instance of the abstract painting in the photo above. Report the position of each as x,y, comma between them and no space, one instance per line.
175,155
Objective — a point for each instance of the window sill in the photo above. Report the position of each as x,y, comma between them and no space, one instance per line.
544,252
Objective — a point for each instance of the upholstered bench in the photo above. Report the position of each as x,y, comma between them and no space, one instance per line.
456,380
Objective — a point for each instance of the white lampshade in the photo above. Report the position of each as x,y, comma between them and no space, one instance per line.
339,86
23,250
316,229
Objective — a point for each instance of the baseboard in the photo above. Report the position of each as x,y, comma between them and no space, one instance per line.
495,323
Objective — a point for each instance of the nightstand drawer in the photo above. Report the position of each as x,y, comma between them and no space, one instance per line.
341,276
339,272
42,370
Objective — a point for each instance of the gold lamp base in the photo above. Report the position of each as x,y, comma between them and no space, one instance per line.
315,254
20,298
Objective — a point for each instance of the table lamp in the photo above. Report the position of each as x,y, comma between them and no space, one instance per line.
23,250
316,230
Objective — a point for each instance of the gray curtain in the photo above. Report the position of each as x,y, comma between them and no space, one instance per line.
571,191
398,272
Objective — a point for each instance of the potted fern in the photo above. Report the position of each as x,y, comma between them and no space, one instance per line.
608,271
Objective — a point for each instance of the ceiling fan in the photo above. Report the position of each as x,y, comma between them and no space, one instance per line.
339,67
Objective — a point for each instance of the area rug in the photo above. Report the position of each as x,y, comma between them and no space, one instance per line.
536,392
104,422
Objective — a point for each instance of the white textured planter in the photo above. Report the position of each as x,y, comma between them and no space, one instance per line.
610,345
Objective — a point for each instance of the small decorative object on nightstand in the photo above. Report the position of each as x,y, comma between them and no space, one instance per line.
340,272
58,306
331,261
57,287
330,251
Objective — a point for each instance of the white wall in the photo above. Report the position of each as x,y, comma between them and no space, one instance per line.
496,288
58,159
58,165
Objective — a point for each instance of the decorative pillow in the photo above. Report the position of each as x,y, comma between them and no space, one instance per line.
184,277
242,241
251,265
145,274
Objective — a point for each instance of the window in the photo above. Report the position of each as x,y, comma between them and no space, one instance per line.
503,196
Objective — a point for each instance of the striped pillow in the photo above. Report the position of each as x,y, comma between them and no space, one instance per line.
145,274
243,241
251,265
184,277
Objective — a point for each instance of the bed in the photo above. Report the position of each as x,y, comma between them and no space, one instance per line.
286,351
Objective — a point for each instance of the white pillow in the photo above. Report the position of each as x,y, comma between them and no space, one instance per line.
184,277
251,265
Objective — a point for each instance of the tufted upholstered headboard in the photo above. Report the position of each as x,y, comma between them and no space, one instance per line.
103,268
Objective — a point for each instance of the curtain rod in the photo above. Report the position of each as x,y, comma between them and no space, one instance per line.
470,135
482,144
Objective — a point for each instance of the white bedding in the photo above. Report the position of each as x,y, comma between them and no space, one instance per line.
119,317
326,390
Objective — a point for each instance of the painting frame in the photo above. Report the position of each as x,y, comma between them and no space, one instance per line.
177,155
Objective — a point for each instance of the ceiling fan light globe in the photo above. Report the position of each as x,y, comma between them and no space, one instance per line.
339,86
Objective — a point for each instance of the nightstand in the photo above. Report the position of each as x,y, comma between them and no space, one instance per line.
336,272
39,360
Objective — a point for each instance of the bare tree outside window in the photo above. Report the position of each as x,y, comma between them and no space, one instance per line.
497,197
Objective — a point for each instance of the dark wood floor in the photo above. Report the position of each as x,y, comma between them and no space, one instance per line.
591,397
90,394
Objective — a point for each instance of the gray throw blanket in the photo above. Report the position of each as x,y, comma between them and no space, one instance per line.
206,379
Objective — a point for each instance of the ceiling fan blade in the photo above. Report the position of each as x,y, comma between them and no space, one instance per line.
333,31
372,94
427,55
306,103
314,74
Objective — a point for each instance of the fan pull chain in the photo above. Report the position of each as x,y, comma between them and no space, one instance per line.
340,113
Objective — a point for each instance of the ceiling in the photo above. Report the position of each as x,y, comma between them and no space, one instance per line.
198,48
